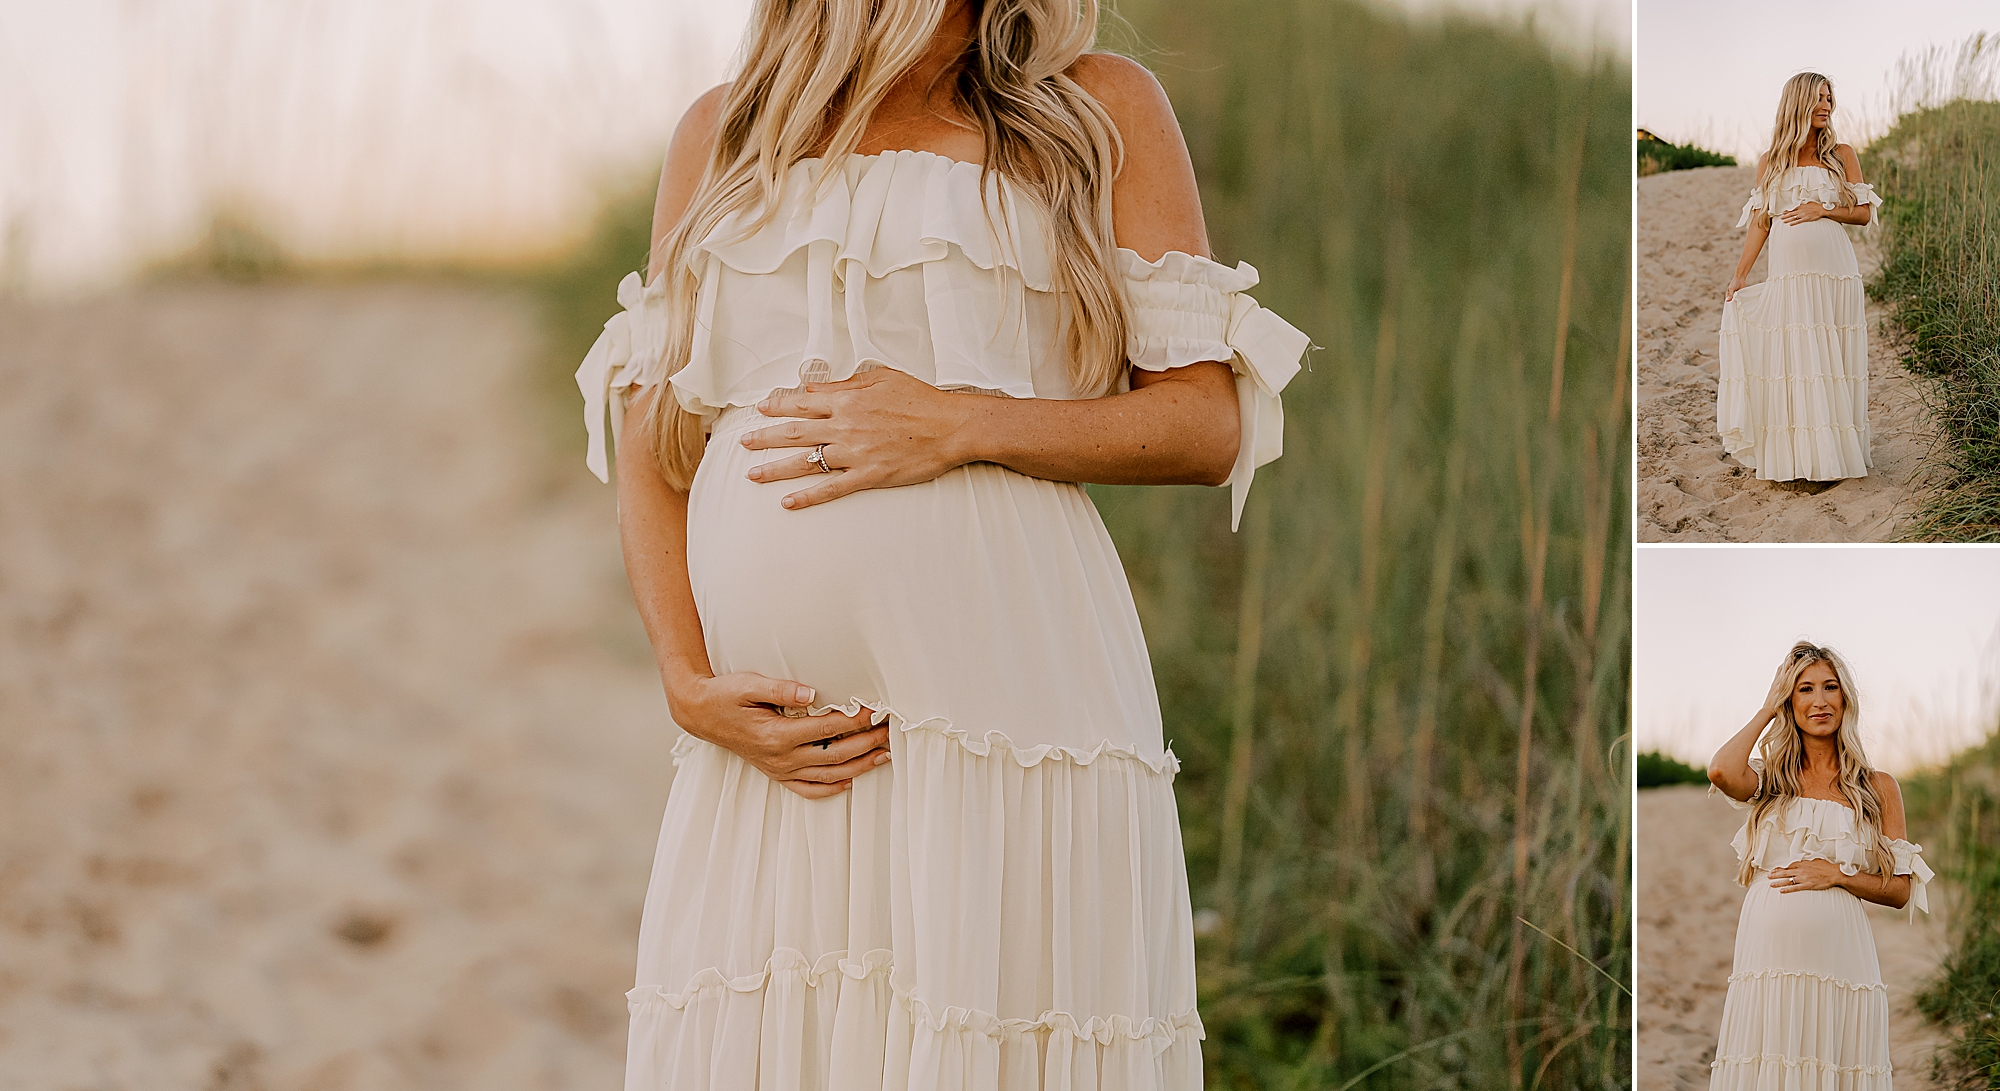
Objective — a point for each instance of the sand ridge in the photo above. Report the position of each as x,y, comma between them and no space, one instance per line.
1688,904
331,755
1688,490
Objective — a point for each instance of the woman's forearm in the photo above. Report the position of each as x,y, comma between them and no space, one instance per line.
1753,244
1858,215
1730,769
1180,428
1890,890
652,532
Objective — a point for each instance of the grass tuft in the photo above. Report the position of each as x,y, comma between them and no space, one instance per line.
1657,155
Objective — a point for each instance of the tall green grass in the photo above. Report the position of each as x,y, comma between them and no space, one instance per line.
1939,171
1961,804
1657,155
1399,693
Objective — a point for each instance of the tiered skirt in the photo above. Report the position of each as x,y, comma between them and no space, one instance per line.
1003,906
1806,1009
1792,398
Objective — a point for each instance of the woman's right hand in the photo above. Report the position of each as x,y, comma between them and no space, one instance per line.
1736,284
741,713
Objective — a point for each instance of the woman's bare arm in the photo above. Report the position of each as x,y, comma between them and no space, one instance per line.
1175,427
1890,890
739,712
1729,770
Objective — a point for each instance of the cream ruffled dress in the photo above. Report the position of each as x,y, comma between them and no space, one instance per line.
1792,400
1806,1006
1004,905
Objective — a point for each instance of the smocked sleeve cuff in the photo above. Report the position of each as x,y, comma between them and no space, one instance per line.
1909,860
1183,310
628,356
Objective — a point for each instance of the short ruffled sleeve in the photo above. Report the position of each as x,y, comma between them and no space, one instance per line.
629,355
1864,194
1750,205
1183,310
1908,860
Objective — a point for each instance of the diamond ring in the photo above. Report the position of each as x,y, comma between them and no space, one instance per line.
818,458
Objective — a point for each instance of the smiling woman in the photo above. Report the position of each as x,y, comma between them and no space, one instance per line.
1824,833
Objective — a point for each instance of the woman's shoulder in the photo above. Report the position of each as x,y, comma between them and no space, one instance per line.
1127,90
1885,785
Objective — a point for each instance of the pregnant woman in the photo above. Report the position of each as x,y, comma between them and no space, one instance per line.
1806,1004
920,269
1792,401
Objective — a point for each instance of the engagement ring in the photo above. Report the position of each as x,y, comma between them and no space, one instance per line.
818,458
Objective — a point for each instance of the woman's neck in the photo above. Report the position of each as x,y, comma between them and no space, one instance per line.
1822,757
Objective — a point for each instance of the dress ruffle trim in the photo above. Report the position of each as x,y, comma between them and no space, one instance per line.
990,744
1798,185
1821,829
1184,309
1824,979
890,211
1812,1064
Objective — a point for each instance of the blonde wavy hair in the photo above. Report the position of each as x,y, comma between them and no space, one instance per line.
812,72
1793,132
1784,755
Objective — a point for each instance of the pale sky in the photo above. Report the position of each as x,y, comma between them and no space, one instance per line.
1918,625
1709,71
413,128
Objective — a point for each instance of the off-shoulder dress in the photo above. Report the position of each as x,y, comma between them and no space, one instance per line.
1005,904
1806,1005
1792,399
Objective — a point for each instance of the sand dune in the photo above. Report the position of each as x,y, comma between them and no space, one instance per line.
1688,904
330,754
1688,490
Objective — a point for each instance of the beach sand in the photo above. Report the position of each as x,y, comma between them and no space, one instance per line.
1688,904
331,754
1688,490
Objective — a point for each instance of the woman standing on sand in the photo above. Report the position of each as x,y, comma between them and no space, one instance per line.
1792,401
1806,1004
921,268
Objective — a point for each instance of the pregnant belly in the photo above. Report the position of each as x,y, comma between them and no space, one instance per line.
1820,246
985,598
1824,932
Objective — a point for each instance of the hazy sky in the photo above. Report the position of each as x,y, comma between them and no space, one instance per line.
433,128
1918,625
1709,71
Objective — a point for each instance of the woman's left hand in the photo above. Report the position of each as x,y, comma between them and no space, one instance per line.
1806,212
877,430
1807,875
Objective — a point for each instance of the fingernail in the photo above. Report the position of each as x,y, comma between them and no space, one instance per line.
744,439
882,758
754,474
788,502
804,695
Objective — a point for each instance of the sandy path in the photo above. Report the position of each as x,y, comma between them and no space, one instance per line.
1688,490
330,755
1688,904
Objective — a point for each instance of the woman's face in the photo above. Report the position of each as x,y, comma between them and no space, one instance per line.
1822,114
1818,701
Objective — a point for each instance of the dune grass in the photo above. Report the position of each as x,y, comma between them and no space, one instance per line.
1399,693
1960,804
1939,171
1657,770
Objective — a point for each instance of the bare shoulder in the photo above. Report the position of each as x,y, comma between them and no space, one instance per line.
1886,787
1126,88
1849,161
687,158
1155,203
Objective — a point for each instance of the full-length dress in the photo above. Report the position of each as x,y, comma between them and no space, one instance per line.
1792,399
1806,1006
1004,905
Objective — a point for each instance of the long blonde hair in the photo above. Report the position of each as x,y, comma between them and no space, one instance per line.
1784,755
805,62
1793,132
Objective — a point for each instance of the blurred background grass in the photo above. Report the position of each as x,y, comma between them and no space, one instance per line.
1961,801
1399,693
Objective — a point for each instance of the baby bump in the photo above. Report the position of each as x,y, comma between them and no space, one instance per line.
1823,932
985,597
1819,246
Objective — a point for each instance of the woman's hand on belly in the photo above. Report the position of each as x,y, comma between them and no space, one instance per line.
1807,875
814,756
1804,213
880,429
